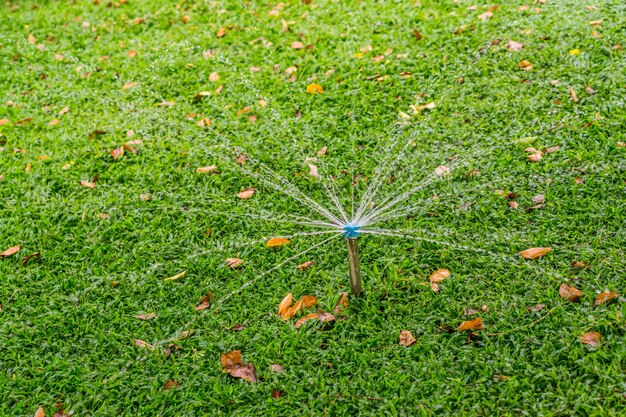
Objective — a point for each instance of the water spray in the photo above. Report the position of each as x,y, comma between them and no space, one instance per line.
352,233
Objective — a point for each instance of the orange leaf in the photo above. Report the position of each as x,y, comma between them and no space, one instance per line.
306,318
343,303
569,293
206,170
234,262
591,338
285,304
170,384
247,193
117,153
11,251
88,184
40,413
605,297
525,65
309,300
439,275
578,264
573,95
297,45
534,253
277,241
314,89
305,266
244,371
476,324
221,32
129,85
230,359
205,302
406,338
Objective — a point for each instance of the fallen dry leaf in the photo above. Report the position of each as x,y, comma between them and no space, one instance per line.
476,324
117,153
514,46
536,156
232,364
284,305
39,412
221,32
207,170
439,275
313,171
293,310
231,358
276,393
406,338
342,304
297,45
180,275
170,384
573,95
578,264
525,65
129,85
591,338
214,76
501,378
234,262
309,301
277,368
277,241
306,265
205,302
88,184
146,317
605,297
485,16
247,193
539,198
569,293
314,89
31,257
306,318
442,171
534,253
536,308
140,343
237,327
11,251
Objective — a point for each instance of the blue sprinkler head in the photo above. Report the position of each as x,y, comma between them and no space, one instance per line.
351,230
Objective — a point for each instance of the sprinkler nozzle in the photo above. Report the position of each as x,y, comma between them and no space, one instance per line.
351,230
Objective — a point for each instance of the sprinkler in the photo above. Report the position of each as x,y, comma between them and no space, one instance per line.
352,233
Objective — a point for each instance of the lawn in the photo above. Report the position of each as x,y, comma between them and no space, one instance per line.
129,129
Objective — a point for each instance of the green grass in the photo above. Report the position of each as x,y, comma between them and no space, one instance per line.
66,333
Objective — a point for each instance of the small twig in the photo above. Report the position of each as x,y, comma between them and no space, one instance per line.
522,327
6,304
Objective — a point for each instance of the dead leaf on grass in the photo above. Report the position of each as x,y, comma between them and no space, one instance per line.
534,253
406,338
605,297
476,324
591,338
569,293
11,251
234,262
146,317
277,241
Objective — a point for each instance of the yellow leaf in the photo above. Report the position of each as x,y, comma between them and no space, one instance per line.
277,241
574,52
314,89
182,274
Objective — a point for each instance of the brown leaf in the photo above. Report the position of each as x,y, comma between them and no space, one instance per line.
221,32
170,384
322,151
306,265
578,264
88,184
276,393
214,76
539,198
54,122
314,89
129,85
573,95
40,413
205,302
342,304
277,241
536,156
234,262
313,171
534,253
117,153
237,328
476,324
11,251
513,204
501,378
536,308
285,305
569,293
514,46
142,344
179,275
247,193
552,149
442,171
485,16
525,65
591,338
293,310
230,359
186,333
297,45
277,368
301,321
309,301
146,317
241,159
244,371
30,257
417,35
605,297
439,275
406,338
207,170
